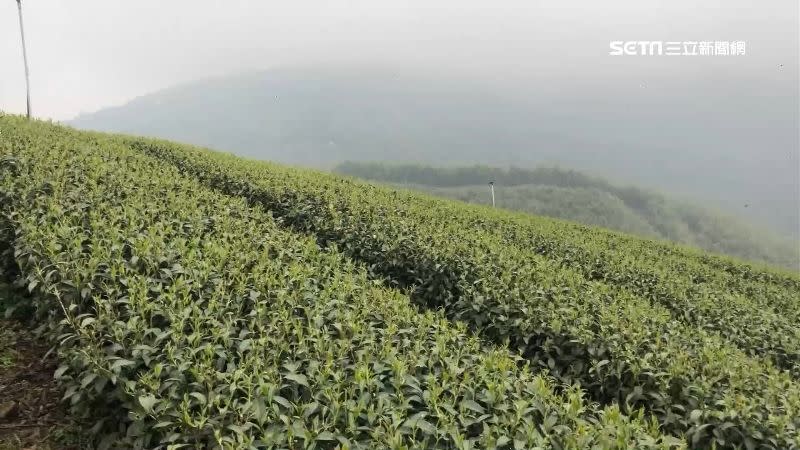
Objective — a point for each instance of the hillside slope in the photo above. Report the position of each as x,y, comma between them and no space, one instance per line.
199,299
681,333
572,195
189,318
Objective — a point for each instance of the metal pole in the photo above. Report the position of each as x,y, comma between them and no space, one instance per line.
24,58
491,186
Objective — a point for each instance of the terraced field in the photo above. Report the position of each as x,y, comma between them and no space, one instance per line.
203,300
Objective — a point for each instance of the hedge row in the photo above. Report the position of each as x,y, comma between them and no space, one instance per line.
186,318
619,346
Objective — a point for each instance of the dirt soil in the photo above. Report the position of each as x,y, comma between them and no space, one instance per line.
31,416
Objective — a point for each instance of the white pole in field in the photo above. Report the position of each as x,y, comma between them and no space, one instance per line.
491,187
24,58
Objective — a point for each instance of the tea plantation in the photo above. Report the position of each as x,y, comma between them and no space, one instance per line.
200,300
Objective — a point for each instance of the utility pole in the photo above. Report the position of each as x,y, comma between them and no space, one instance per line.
24,58
491,187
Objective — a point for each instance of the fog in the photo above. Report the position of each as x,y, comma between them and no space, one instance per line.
94,53
735,116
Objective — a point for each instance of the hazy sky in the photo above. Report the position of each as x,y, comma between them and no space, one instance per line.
88,54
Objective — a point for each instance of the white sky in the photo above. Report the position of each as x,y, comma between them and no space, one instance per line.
88,54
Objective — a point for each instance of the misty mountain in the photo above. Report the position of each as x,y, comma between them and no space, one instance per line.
322,116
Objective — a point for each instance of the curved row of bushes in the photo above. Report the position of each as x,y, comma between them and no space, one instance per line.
760,320
620,347
186,318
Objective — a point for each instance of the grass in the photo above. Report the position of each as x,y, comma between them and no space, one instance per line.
8,355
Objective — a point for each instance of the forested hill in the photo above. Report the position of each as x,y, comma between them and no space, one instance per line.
573,195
